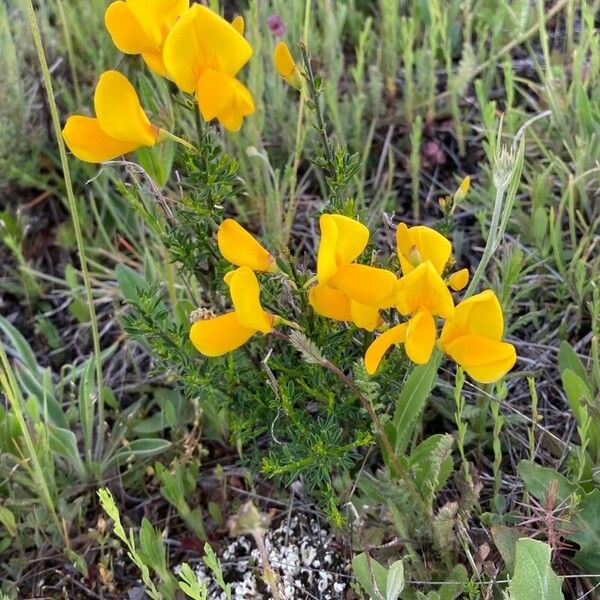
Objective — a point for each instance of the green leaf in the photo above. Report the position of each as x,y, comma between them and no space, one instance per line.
411,402
63,442
395,581
130,282
7,518
370,575
537,479
577,391
506,539
568,359
450,591
20,345
432,463
587,533
534,577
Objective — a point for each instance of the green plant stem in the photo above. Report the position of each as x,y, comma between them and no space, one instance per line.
492,242
164,134
37,38
314,97
11,389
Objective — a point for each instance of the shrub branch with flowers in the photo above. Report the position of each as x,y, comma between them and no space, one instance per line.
302,362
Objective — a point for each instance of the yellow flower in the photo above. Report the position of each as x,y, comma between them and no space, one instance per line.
458,281
203,53
422,294
375,352
219,335
463,189
142,26
238,24
472,337
342,241
424,289
286,67
333,304
224,98
241,249
419,244
120,126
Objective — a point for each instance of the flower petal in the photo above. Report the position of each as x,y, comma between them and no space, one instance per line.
119,112
239,247
365,317
478,315
423,288
245,295
458,281
88,142
381,344
199,40
238,24
483,359
424,242
352,238
284,63
223,97
125,30
157,17
326,257
214,337
155,63
365,284
330,303
420,337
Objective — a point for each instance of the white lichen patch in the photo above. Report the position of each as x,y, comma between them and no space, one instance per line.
303,554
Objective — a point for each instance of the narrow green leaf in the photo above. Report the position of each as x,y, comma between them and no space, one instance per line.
411,402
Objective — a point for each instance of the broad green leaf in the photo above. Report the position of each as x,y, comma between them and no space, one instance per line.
395,581
506,539
576,390
20,346
371,576
411,402
534,577
7,518
568,359
130,282
451,591
587,533
63,442
537,480
432,463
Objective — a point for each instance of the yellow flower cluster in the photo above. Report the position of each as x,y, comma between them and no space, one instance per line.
349,291
192,46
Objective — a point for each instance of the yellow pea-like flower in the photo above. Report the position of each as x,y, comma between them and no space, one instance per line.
330,303
419,244
420,337
203,53
333,304
240,248
286,67
458,281
472,337
424,289
245,296
120,126
238,24
224,98
142,26
365,284
379,346
342,241
219,335
365,316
